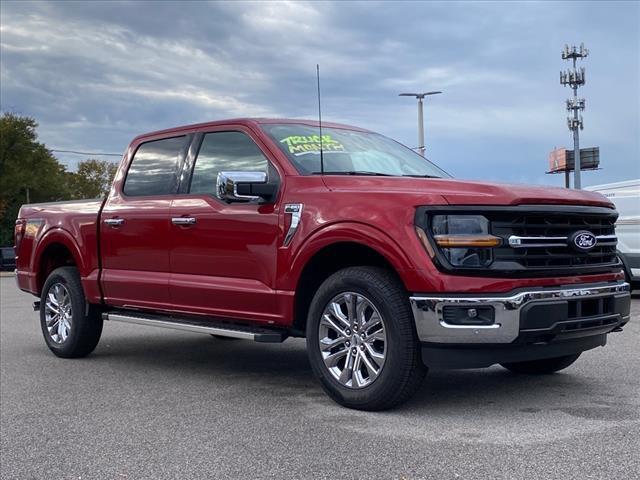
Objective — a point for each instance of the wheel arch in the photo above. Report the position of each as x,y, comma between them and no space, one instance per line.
56,249
338,247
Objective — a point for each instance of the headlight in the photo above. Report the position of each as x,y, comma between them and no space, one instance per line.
464,239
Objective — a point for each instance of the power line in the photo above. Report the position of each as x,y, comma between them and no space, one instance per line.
101,154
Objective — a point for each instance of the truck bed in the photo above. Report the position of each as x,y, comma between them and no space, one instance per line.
72,224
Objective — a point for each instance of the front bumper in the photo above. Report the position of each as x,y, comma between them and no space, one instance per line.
531,316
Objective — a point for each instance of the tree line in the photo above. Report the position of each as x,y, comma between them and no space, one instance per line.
30,173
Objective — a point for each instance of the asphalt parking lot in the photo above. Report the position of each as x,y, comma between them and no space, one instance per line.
152,403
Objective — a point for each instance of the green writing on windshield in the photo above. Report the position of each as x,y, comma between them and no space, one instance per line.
303,144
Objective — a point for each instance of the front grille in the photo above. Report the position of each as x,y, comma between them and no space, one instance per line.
553,225
541,240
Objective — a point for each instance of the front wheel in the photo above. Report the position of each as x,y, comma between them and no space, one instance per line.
542,367
361,339
70,327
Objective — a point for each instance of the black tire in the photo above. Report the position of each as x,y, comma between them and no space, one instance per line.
544,366
86,321
402,371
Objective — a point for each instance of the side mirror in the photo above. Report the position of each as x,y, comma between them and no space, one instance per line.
244,186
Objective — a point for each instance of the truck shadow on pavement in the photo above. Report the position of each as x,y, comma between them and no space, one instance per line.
283,371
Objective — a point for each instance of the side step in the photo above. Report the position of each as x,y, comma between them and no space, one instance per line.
224,329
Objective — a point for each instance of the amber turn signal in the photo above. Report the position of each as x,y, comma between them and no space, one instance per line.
455,241
425,241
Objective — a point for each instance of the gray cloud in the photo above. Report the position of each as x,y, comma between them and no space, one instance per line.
95,74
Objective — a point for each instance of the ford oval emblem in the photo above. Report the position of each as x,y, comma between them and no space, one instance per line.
583,241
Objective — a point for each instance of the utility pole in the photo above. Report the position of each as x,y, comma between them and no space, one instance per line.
420,97
574,78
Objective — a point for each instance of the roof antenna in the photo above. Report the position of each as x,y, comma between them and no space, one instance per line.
320,120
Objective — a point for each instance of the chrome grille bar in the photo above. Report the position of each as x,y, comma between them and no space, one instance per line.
516,241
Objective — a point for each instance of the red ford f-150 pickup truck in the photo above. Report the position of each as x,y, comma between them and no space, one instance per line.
263,229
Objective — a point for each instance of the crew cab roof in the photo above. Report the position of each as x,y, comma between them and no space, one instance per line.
249,122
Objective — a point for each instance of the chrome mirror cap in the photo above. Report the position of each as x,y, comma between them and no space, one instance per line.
227,185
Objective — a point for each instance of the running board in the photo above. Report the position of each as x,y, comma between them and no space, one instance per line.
257,334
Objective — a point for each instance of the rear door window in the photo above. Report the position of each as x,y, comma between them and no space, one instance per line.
154,168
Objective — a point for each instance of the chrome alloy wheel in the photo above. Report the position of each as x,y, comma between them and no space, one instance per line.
58,312
352,340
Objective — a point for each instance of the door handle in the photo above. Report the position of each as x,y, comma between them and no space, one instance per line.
183,220
114,222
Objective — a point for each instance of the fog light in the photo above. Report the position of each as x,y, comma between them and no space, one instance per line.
482,315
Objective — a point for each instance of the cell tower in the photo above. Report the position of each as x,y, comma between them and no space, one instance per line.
574,78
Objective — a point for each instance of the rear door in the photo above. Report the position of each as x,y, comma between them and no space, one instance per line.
223,263
135,227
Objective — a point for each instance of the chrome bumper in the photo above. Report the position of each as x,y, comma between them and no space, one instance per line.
431,327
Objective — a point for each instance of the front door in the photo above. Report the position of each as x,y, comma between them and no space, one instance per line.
223,256
135,227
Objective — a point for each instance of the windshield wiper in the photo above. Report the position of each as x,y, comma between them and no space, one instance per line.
354,172
422,176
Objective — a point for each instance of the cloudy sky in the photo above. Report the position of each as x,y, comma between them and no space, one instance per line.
95,74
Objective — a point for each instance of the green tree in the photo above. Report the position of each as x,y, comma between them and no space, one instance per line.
28,171
93,178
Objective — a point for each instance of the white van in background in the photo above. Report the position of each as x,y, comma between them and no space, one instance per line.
626,197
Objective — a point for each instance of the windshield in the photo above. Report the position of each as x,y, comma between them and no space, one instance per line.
348,152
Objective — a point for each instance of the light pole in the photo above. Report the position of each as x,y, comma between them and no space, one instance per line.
420,97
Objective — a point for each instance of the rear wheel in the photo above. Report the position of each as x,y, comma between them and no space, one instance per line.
541,367
361,340
71,328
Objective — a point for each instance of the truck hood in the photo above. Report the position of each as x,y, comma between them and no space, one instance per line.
463,192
